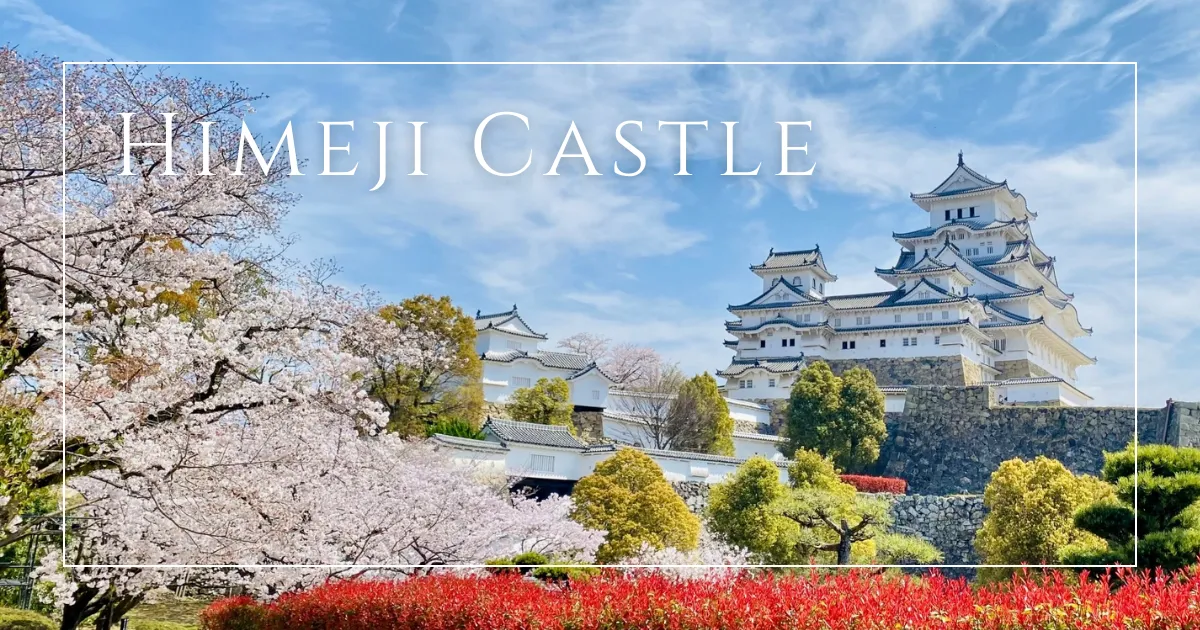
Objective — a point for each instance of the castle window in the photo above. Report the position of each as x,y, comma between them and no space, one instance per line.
520,381
937,340
749,383
851,345
595,394
541,463
960,213
989,246
883,343
792,342
796,280
837,321
920,317
972,210
814,283
822,289
514,345
858,321
807,317
762,343
1000,344
912,341
947,215
924,295
945,314
770,382
898,318
905,341
867,320
783,342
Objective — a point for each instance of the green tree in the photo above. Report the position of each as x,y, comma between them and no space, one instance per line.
548,401
454,427
628,497
1030,508
421,393
699,400
1167,511
842,417
741,512
837,523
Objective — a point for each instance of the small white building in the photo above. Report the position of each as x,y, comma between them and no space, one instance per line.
551,454
512,359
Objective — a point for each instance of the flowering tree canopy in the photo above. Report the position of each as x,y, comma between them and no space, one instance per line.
212,398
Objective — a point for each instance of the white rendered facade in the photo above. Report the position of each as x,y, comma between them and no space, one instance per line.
972,287
512,359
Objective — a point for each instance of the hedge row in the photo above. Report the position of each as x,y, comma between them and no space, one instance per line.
844,601
868,483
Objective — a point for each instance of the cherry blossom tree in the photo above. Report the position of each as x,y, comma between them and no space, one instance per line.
631,365
202,396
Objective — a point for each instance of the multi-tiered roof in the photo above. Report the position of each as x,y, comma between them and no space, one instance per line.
975,279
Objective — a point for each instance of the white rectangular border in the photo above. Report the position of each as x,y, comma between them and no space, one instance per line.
63,501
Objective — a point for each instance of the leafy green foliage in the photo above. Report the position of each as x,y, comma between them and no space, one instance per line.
628,497
548,401
740,512
1167,511
842,417
455,427
17,619
420,395
1031,505
899,549
700,399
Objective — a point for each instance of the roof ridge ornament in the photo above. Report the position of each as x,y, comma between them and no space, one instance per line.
960,157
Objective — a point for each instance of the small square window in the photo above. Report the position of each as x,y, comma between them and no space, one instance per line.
867,320
770,382
914,341
783,343
762,343
972,210
898,318
792,342
837,321
845,345
937,340
750,383
520,381
905,342
947,215
851,345
945,314
883,343
595,394
960,213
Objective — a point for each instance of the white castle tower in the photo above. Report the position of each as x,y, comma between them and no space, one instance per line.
975,301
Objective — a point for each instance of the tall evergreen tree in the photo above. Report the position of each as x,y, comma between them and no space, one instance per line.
699,404
548,401
840,417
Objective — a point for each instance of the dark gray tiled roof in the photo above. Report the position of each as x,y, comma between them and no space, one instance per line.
496,320
561,360
482,445
533,433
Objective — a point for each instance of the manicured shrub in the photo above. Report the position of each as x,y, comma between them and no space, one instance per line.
18,619
234,613
869,483
628,497
807,601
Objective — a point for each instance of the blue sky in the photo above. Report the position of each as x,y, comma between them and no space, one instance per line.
655,259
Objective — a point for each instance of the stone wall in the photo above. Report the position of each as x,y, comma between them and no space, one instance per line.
948,440
915,370
589,425
694,493
1020,368
947,522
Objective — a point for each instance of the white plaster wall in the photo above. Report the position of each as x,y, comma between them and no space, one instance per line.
747,447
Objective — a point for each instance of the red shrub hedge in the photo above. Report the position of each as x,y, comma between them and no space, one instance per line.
868,483
844,601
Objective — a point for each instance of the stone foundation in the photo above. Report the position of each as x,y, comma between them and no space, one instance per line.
950,439
1020,368
948,523
955,370
494,410
589,425
694,493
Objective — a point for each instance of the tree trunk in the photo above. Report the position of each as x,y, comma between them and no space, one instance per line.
843,551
